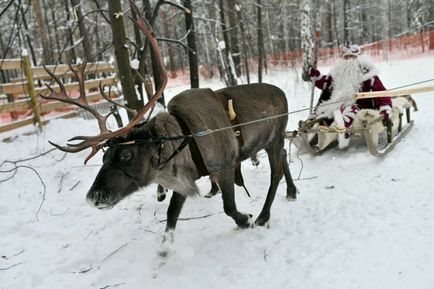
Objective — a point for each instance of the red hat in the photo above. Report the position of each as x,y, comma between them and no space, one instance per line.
353,50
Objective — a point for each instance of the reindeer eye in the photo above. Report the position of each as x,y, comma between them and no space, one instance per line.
126,156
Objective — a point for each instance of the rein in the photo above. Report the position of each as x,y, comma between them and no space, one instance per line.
183,144
162,140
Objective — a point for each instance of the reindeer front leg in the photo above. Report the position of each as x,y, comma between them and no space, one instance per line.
173,212
226,183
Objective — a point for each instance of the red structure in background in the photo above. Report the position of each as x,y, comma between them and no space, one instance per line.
408,46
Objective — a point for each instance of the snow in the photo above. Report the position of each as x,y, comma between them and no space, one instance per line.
358,222
135,64
221,46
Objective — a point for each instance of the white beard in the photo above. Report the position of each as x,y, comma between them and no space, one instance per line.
347,78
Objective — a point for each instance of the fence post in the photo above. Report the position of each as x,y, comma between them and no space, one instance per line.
31,90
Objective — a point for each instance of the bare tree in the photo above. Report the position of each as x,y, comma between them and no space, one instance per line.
84,32
121,52
172,67
227,67
233,35
42,31
192,55
261,49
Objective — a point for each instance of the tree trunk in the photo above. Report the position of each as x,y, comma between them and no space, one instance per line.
172,67
227,68
42,31
137,80
260,42
87,48
27,37
192,55
346,28
385,32
328,25
244,43
121,53
49,28
337,44
56,31
155,68
70,53
233,35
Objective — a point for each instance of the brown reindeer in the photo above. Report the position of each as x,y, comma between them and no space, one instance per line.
193,139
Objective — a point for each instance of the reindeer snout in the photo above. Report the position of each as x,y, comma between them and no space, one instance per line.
92,198
96,199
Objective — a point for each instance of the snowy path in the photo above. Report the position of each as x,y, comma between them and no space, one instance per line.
358,222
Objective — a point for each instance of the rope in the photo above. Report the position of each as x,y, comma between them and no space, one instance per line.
414,83
211,131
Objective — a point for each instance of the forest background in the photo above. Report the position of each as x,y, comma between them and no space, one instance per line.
210,38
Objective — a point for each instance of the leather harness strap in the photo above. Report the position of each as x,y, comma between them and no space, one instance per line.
194,149
226,101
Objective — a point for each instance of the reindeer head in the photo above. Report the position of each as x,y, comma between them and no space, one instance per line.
125,165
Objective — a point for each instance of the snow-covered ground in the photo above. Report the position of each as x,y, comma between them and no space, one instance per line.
358,222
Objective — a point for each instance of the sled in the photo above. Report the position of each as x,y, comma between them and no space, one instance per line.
315,136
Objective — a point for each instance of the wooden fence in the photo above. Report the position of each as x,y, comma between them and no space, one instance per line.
20,101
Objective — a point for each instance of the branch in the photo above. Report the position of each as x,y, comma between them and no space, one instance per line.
6,8
160,3
10,267
177,42
194,218
14,171
101,10
114,252
28,159
14,255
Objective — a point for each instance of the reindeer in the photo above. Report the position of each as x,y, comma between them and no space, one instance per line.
155,150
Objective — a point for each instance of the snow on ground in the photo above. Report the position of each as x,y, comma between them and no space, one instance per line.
358,222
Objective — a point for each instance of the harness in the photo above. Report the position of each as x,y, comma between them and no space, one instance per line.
227,102
187,139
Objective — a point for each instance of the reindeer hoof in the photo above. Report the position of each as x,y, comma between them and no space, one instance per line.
166,245
161,193
245,221
291,195
209,195
262,220
161,198
212,193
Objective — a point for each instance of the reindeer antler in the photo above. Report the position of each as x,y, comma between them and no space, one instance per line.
98,141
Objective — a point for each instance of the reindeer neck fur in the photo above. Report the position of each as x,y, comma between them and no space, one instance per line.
180,172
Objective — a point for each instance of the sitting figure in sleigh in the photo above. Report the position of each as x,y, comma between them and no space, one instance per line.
336,106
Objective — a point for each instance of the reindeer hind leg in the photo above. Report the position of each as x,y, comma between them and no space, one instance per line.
275,153
291,189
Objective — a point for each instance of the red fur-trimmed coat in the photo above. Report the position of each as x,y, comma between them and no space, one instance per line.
371,82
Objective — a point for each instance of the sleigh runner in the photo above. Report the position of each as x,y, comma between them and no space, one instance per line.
317,135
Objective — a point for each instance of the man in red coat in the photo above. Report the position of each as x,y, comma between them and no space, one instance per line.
353,73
